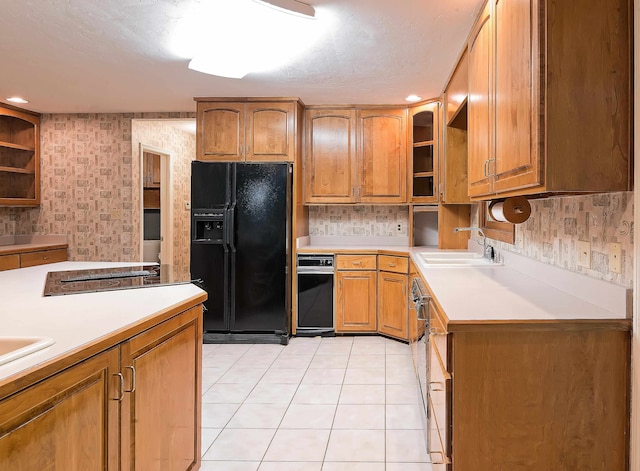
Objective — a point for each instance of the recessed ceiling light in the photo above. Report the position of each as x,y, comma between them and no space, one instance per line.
17,99
413,98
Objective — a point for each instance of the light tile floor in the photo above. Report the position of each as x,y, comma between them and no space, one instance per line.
331,404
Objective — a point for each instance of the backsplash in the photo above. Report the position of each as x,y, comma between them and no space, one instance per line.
87,186
358,221
556,225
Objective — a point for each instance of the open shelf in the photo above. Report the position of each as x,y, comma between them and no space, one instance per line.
16,146
17,170
425,153
19,157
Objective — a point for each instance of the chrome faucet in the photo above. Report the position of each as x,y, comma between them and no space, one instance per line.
487,250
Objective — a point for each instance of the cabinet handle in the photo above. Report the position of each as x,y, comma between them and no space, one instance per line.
434,389
45,258
431,453
435,331
133,379
121,389
484,168
494,167
357,263
392,265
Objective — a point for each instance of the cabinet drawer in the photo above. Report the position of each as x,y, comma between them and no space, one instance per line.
9,262
439,388
40,258
356,262
393,264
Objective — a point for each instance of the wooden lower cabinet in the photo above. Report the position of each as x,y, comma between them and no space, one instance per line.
356,301
161,413
529,398
393,292
66,422
135,406
29,259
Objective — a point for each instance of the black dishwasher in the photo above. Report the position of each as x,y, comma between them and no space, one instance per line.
315,295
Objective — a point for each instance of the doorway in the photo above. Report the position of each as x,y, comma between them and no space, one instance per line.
157,204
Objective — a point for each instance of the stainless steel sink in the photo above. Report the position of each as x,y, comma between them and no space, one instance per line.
12,348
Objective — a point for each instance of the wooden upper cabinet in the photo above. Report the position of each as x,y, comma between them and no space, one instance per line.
271,131
220,134
517,163
330,156
550,98
249,130
382,155
478,105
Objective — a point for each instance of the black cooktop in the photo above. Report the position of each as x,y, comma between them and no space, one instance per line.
109,279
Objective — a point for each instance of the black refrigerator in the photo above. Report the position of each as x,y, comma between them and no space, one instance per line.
240,249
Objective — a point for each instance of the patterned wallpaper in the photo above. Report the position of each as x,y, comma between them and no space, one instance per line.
181,146
557,224
87,186
358,220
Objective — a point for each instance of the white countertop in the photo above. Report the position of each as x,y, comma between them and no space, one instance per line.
501,293
504,293
77,319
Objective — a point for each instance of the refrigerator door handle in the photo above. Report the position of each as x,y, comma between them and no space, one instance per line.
230,228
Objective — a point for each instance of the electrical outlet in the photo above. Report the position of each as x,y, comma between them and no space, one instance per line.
584,253
399,228
615,258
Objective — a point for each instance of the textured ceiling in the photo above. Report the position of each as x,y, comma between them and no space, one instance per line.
119,55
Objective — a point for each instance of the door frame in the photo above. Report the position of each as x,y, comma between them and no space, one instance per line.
166,202
635,338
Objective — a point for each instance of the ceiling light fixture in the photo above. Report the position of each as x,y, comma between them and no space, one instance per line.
413,98
293,7
17,99
264,46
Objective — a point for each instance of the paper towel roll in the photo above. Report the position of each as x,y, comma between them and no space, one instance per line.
515,210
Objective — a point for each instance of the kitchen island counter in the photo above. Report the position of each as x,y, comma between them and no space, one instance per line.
80,324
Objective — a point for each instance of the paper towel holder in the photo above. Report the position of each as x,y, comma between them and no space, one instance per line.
514,210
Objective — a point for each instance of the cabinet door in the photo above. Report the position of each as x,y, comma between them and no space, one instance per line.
330,156
479,104
271,132
517,162
66,422
356,301
161,409
382,156
393,292
220,133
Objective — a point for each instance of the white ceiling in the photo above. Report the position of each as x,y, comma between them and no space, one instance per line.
117,55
